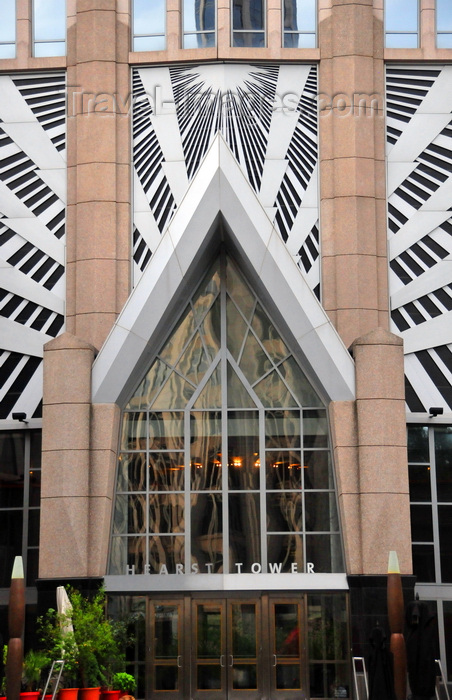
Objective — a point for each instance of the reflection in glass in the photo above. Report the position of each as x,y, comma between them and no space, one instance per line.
244,531
166,631
327,627
205,450
210,396
297,380
325,552
131,472
445,542
175,394
167,553
317,470
401,15
166,513
315,428
282,428
194,363
199,23
424,563
444,16
210,329
127,552
204,298
179,338
166,677
284,512
8,29
243,450
209,631
130,514
244,676
285,551
154,379
418,443
268,335
239,292
299,23
321,512
420,489
287,629
244,640
148,25
236,329
248,22
207,532
238,397
166,471
421,523
254,362
166,431
273,392
283,470
134,431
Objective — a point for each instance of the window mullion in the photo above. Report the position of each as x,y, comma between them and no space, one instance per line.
436,541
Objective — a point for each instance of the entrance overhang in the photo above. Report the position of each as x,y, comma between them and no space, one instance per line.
220,208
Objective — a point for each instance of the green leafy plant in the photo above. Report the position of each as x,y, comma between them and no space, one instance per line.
124,682
59,643
34,663
3,681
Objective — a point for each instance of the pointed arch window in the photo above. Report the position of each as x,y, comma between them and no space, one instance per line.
225,463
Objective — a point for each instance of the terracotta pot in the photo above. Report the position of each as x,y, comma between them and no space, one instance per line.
89,694
109,695
30,695
68,694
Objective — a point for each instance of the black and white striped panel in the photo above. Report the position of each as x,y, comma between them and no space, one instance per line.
419,103
32,233
178,111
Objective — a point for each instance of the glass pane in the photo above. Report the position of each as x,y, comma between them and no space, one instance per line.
7,50
244,533
445,539
127,552
401,15
447,612
148,17
11,469
148,388
166,471
49,21
284,512
210,396
317,471
288,676
199,15
282,429
327,627
149,43
33,527
444,15
418,444
10,542
209,631
251,39
401,41
166,554
166,431
236,328
283,470
200,40
179,338
287,630
244,676
424,563
166,677
244,640
207,532
130,514
238,396
420,482
243,450
239,291
208,677
166,645
325,553
321,512
205,451
298,383
134,428
203,300
248,14
300,15
175,394
166,513
443,457
329,681
49,48
194,362
254,362
34,496
444,41
268,335
131,472
273,392
300,41
421,524
315,429
8,23
285,553
211,330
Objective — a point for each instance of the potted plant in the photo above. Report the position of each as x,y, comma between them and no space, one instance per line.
58,640
3,681
124,682
33,665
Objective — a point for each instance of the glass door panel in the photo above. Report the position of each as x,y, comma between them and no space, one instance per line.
243,649
209,653
166,658
286,649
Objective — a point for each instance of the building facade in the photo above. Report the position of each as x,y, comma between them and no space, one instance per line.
226,289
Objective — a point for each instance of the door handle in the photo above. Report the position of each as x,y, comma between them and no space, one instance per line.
179,661
274,660
232,661
222,661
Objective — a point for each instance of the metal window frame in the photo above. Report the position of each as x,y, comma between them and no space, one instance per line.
297,32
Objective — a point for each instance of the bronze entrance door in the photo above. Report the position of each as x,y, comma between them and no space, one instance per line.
226,648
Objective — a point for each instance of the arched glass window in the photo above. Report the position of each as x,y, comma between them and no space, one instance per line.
225,463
